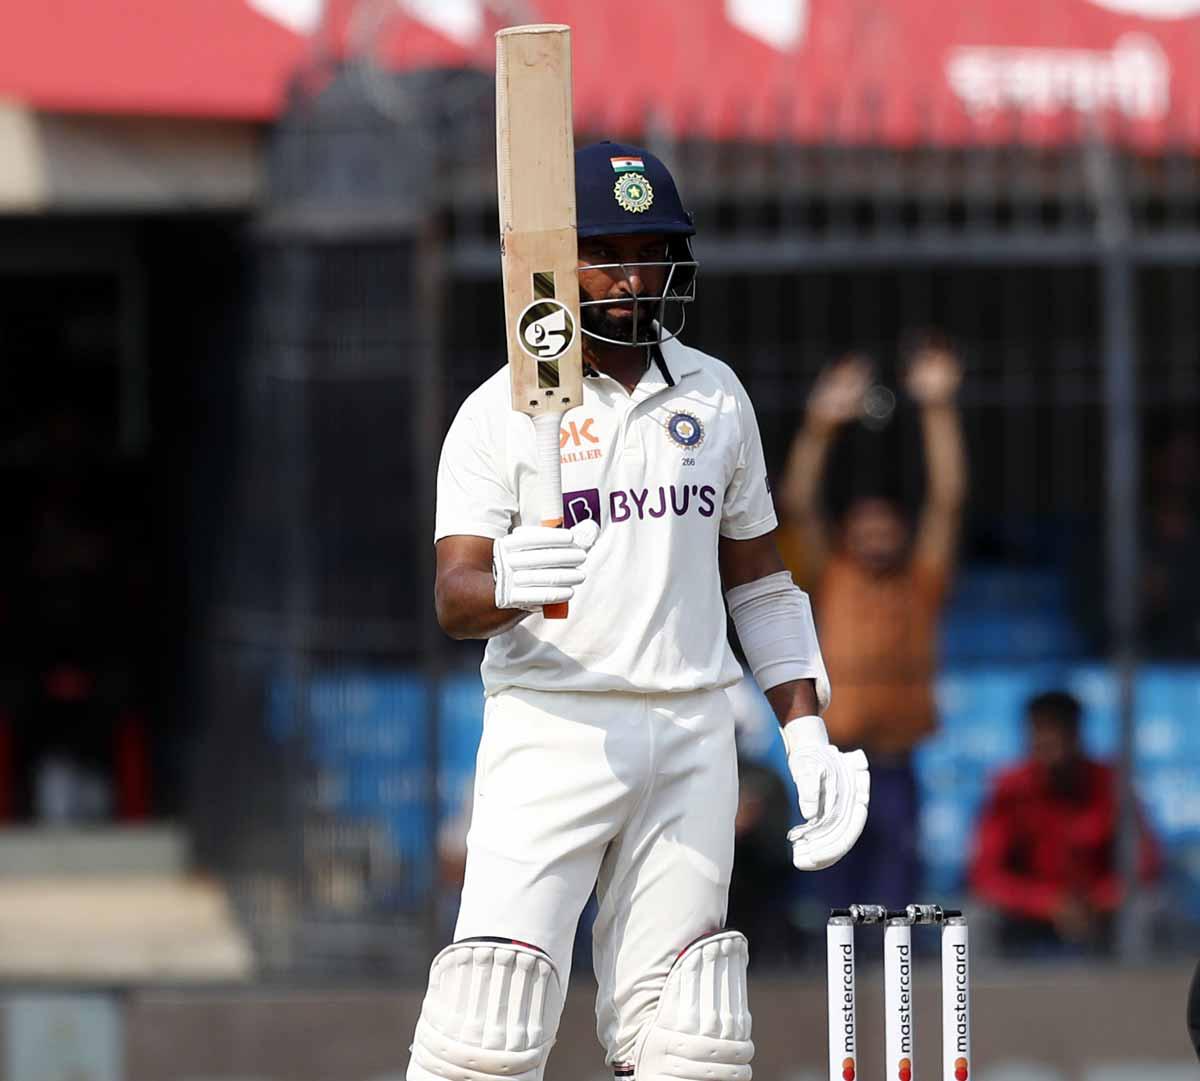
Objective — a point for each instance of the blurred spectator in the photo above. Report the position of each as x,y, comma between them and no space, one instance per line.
76,622
878,589
1045,853
1170,584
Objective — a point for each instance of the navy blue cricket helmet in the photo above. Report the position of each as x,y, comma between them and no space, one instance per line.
623,190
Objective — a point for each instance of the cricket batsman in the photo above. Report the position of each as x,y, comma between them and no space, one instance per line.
607,755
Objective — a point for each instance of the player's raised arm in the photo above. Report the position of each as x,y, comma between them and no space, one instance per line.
492,571
484,587
836,398
464,590
932,380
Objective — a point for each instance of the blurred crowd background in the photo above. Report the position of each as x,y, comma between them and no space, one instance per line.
249,266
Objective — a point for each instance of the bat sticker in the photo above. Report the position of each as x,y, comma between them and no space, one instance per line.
545,329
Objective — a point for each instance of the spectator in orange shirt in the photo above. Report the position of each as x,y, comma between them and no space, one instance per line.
1045,851
878,589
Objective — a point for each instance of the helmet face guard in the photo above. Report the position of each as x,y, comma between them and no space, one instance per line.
669,307
623,191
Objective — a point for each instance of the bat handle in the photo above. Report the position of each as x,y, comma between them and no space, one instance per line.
546,429
554,611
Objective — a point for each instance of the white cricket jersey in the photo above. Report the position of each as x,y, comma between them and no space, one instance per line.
666,471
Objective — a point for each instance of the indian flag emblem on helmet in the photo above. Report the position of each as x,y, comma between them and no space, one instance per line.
633,192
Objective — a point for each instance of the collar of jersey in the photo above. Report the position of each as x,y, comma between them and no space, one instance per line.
678,358
672,361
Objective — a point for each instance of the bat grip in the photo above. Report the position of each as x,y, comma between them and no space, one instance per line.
550,506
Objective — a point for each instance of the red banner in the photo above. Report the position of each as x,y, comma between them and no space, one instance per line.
903,72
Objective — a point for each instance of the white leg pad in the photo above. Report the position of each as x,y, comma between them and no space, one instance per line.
701,1029
491,1011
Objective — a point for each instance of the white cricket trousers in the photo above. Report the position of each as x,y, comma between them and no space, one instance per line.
634,794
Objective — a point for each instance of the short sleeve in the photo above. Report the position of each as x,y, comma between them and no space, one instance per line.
748,511
473,497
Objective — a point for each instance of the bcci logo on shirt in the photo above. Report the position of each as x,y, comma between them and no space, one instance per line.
686,430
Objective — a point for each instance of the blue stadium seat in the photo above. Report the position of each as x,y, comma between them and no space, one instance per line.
365,736
1006,614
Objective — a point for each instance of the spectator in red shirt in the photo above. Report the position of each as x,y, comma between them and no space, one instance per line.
1045,851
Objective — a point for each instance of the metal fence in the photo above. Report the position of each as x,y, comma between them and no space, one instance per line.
333,712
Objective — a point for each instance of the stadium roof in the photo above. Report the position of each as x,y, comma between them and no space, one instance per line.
910,71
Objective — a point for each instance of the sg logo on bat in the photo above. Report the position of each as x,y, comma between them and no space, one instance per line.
546,329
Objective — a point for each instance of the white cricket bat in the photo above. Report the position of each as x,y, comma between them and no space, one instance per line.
535,166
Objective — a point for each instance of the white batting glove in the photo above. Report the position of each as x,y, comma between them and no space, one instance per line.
535,565
834,790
